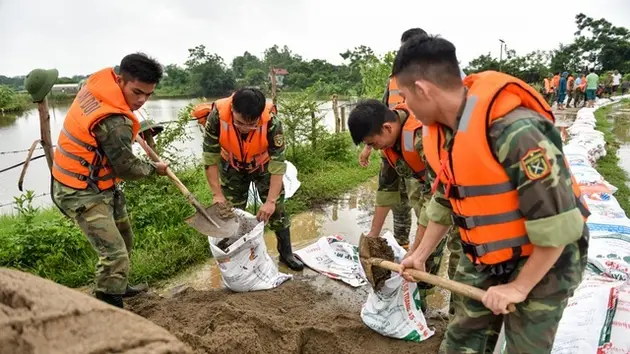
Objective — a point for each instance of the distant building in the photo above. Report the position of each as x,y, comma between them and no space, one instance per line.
280,75
68,89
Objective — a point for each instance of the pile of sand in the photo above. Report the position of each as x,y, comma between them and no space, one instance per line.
39,316
294,318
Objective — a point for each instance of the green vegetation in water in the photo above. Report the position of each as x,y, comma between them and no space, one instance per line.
608,166
44,242
11,101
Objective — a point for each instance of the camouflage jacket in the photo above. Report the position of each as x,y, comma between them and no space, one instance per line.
212,149
389,178
548,204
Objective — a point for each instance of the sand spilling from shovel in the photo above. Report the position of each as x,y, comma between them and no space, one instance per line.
379,248
297,317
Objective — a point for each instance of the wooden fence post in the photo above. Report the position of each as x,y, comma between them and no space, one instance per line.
335,109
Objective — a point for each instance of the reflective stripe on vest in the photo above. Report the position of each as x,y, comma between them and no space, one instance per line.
394,97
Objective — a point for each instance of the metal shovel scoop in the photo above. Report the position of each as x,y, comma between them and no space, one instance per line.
369,246
203,220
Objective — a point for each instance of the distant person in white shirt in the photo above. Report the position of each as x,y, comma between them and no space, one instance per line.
616,81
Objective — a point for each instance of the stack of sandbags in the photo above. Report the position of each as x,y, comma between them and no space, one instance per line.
597,317
598,313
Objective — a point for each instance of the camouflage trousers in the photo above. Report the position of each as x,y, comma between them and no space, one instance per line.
410,198
452,242
104,220
235,186
578,98
532,327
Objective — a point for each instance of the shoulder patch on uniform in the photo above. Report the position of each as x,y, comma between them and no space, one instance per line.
535,164
278,140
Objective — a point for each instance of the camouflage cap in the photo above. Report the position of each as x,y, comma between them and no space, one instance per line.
151,126
39,82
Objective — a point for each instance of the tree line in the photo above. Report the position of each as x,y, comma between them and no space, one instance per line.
597,44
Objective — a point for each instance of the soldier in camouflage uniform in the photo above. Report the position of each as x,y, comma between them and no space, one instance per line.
93,153
244,143
534,254
374,124
409,189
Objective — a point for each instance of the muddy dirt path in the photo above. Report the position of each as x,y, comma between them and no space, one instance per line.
306,315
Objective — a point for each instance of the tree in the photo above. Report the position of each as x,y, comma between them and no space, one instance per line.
244,63
603,45
209,76
374,74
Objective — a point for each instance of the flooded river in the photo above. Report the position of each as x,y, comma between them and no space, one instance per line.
18,133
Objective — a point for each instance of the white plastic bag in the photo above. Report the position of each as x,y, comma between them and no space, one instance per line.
394,311
590,181
334,258
290,183
246,265
620,328
587,317
609,255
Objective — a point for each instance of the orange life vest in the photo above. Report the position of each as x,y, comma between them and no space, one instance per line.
570,83
556,81
547,85
393,96
200,112
408,145
582,84
484,200
78,161
248,153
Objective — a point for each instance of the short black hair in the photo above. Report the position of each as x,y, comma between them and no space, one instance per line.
367,119
412,32
249,102
591,70
430,58
138,66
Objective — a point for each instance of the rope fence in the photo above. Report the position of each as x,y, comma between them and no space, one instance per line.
12,203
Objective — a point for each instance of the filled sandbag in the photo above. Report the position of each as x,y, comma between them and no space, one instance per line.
243,261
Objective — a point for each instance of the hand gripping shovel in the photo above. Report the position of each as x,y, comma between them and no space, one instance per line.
201,220
376,277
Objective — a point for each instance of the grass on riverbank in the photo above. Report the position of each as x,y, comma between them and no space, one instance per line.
45,243
608,166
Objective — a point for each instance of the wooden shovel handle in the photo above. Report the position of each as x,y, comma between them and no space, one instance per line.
456,287
154,156
182,188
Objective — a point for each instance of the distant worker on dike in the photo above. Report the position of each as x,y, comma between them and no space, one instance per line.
244,143
93,154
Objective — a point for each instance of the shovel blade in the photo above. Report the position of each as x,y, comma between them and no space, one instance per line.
364,255
227,227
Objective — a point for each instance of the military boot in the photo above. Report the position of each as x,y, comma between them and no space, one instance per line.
135,290
112,299
285,250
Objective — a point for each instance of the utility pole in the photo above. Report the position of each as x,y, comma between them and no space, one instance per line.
501,54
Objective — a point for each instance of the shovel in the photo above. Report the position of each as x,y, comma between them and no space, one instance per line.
377,245
201,221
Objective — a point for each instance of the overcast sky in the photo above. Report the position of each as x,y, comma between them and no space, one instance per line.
80,37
